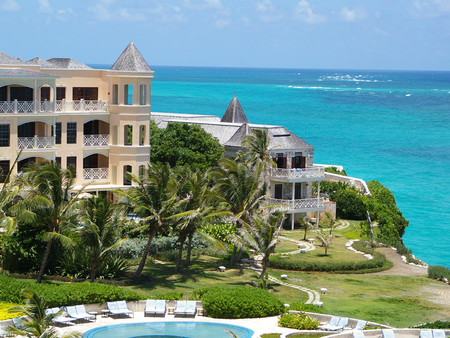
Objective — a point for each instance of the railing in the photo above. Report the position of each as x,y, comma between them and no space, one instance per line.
95,173
307,203
96,140
312,172
35,142
15,107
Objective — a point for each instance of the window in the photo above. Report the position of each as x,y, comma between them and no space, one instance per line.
26,129
45,93
71,132
298,161
4,169
279,191
298,191
60,93
58,133
280,161
58,160
128,135
21,93
142,95
142,135
115,94
72,162
86,93
4,135
128,94
126,170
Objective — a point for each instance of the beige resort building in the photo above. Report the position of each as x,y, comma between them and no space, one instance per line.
98,121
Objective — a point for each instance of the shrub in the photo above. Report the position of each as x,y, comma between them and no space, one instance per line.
64,294
298,321
349,204
299,306
438,272
219,231
277,262
363,247
169,296
240,302
4,307
435,325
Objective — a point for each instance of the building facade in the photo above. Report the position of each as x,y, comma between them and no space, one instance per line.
97,121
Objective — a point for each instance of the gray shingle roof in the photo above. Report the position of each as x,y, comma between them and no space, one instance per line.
64,63
22,73
6,59
40,62
234,113
131,60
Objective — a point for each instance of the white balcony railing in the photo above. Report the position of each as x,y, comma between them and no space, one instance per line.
307,203
15,107
36,142
95,173
312,172
96,140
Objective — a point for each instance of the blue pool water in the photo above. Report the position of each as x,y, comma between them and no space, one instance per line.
170,329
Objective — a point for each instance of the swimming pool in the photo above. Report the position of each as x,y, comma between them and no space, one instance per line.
169,330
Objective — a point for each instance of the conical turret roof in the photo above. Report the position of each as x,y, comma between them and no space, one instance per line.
131,60
234,113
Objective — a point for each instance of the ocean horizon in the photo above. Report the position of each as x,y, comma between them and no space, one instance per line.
390,126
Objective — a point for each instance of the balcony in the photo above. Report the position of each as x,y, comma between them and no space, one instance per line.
298,174
36,142
96,140
302,205
95,173
63,106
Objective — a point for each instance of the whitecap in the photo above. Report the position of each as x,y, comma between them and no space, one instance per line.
408,95
358,88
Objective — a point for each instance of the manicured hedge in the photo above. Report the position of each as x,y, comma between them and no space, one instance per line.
239,302
64,294
435,325
277,262
298,321
361,246
438,272
299,306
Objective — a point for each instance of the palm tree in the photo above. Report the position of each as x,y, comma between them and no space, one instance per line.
48,199
258,151
99,233
325,239
329,222
305,224
263,236
154,200
8,192
239,189
35,323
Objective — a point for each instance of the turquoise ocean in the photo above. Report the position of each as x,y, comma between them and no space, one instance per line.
390,126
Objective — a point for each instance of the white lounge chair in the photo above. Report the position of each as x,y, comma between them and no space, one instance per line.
119,308
426,333
3,332
438,333
358,334
360,325
150,307
388,333
333,322
191,308
78,312
160,308
181,307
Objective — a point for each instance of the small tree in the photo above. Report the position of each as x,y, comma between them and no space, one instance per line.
305,224
329,222
325,239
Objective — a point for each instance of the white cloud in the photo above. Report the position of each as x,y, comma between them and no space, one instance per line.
267,11
103,13
9,5
430,8
203,4
381,32
44,6
303,12
221,23
63,14
355,14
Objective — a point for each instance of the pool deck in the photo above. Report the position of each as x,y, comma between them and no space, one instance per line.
258,325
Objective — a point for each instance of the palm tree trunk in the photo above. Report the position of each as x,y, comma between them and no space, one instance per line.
233,255
44,261
93,270
189,248
138,272
241,250
180,253
265,264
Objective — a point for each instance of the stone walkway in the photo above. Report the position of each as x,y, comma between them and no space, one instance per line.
313,296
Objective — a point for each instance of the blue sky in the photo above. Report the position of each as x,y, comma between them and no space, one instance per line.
344,34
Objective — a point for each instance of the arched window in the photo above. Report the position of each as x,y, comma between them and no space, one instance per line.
142,95
142,135
128,135
126,169
128,94
115,94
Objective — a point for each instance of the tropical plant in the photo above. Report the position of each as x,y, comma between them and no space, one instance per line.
48,198
325,239
153,200
239,190
8,193
99,231
35,322
306,225
329,222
